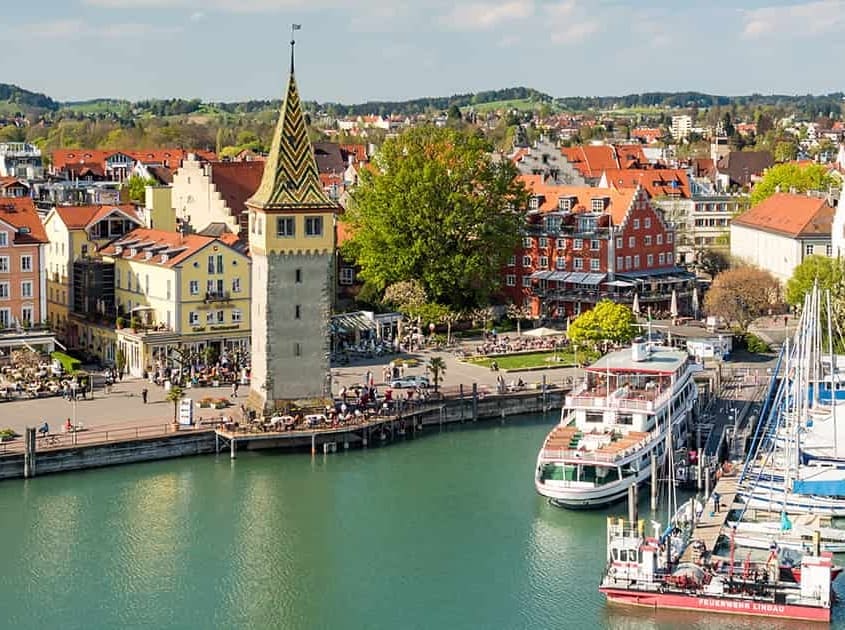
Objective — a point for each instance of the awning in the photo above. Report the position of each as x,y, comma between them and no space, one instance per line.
350,322
142,308
560,276
541,275
619,283
577,278
594,278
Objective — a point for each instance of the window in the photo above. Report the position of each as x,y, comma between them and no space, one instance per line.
577,243
669,237
510,280
578,264
598,204
647,222
117,279
221,317
4,263
167,296
211,264
637,261
632,242
526,261
297,311
26,263
661,259
146,284
313,226
209,317
236,285
347,276
297,276
297,350
544,262
809,249
561,243
512,261
560,262
26,289
128,280
210,285
138,282
828,250
534,202
594,264
219,263
5,318
4,290
544,242
636,224
4,239
649,260
669,258
527,242
193,318
236,316
194,287
285,227
595,245
259,225
647,240
627,262
83,250
526,282
660,239
619,242
620,261
26,315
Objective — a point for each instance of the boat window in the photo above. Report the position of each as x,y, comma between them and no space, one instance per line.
594,417
625,418
623,555
615,554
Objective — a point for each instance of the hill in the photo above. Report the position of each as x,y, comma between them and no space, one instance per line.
15,99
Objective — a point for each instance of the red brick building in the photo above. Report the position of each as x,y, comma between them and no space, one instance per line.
22,277
583,244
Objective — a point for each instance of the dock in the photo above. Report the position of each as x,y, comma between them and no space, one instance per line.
709,527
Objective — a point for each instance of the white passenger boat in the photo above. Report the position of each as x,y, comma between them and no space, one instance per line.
614,422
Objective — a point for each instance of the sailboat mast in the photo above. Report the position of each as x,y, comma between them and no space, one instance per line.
832,369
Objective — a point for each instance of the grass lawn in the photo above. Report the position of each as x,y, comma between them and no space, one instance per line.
531,360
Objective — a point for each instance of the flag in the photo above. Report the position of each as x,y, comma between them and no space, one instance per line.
295,27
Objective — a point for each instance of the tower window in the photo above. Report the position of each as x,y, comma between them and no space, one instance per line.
285,227
297,350
297,312
298,276
313,226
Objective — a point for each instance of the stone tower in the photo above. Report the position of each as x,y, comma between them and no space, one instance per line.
292,242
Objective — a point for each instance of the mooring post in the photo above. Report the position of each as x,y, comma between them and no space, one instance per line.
474,402
462,403
706,482
29,453
653,504
232,448
632,503
544,394
313,443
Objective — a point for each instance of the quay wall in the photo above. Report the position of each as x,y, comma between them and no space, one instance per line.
200,442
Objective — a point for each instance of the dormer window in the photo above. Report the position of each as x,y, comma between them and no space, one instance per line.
148,255
565,203
534,202
118,249
133,251
599,204
165,258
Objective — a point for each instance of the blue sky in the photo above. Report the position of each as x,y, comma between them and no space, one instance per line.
357,50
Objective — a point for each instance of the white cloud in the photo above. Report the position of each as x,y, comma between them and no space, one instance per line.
569,23
197,16
796,20
78,29
482,16
234,6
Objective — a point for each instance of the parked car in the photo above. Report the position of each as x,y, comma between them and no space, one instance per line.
409,381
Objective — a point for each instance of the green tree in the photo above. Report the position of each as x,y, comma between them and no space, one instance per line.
786,177
608,321
120,362
439,210
437,367
174,396
829,272
741,295
136,185
785,151
405,295
712,261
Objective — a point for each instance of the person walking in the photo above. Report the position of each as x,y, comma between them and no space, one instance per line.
144,393
235,389
716,502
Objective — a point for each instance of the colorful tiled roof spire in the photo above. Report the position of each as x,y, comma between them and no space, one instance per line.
290,178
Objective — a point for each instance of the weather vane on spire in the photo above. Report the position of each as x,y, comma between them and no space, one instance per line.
293,27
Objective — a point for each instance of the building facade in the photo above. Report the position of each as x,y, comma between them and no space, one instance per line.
20,159
292,243
22,279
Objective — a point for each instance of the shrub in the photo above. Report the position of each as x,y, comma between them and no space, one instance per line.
756,345
69,364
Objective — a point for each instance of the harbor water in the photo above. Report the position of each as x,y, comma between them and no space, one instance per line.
444,531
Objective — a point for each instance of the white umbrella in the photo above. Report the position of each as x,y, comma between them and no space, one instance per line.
636,305
695,302
543,332
673,308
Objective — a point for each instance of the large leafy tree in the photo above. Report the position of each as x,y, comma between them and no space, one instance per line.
741,295
829,272
608,321
436,208
136,187
789,176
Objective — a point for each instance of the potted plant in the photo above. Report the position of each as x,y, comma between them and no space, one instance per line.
174,396
204,403
221,403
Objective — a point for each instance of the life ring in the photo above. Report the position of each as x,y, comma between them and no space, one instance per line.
612,572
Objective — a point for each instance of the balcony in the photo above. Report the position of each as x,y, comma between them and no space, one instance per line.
217,296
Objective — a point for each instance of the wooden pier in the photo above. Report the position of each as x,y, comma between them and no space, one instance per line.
711,524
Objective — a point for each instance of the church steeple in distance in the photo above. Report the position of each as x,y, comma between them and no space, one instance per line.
290,178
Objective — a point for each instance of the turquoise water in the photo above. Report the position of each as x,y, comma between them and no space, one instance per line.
441,532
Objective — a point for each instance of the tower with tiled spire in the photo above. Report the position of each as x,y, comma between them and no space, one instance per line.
292,243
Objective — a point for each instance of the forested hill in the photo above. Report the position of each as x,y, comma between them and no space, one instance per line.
24,99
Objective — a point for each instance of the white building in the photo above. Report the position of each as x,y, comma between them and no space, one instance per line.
779,233
681,127
19,159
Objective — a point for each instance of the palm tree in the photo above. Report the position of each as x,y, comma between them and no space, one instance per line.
174,396
437,367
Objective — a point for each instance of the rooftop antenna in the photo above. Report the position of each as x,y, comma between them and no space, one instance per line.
293,27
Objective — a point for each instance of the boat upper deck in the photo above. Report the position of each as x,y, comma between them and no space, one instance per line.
570,443
657,360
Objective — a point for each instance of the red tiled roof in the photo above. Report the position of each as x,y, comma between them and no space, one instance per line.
80,217
791,215
181,246
591,160
236,182
658,182
70,159
20,213
620,200
358,150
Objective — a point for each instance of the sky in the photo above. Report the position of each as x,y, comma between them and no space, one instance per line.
353,51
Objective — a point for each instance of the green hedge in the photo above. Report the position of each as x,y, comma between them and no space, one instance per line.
754,344
69,364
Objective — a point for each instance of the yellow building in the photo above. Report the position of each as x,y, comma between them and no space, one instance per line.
76,233
181,299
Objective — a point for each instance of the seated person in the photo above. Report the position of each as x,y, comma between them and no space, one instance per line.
68,426
44,429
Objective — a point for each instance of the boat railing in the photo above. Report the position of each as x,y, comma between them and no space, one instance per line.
620,403
592,456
